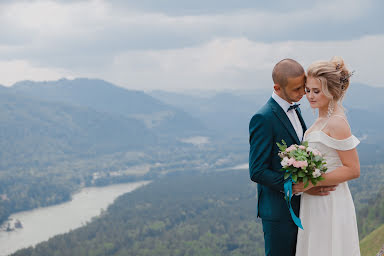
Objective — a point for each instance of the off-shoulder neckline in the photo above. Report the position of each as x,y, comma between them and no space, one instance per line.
306,135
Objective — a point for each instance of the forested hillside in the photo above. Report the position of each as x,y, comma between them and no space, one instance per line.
37,133
367,187
57,137
212,214
105,97
372,216
185,214
47,149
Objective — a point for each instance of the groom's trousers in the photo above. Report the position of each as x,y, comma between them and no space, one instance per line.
280,238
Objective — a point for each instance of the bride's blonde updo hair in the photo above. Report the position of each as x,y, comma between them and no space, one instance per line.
333,75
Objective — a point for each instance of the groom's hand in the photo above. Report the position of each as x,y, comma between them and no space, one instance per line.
299,187
321,190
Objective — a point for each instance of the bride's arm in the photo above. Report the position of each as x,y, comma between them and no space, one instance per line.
338,128
350,169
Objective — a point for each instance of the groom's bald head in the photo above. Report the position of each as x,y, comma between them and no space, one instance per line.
284,69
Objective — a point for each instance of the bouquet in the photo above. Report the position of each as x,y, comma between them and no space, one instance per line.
302,163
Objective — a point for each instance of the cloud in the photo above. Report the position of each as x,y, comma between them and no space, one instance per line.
89,34
177,43
223,63
233,63
16,70
123,26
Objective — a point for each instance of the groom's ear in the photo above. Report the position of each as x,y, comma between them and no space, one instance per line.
276,87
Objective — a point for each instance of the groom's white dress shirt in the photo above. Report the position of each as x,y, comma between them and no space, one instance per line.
292,115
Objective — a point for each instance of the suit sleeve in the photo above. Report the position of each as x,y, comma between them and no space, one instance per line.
260,154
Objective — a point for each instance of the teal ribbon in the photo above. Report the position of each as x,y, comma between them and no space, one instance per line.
288,196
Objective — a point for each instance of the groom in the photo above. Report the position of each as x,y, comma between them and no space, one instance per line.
279,119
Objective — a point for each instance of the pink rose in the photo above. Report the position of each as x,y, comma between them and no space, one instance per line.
300,164
289,149
296,164
302,147
291,161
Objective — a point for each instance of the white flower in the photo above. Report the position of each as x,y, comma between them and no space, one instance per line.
284,162
316,152
316,173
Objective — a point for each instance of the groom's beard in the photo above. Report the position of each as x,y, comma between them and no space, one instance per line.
289,98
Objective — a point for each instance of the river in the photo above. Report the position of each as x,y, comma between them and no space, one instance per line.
43,223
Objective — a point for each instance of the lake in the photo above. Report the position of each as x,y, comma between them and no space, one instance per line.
42,223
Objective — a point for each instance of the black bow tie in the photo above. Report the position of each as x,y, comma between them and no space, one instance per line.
295,106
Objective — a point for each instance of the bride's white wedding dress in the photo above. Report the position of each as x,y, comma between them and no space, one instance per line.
329,222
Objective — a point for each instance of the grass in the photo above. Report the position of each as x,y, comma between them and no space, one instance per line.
372,243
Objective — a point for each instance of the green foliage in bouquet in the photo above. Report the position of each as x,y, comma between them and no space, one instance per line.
302,163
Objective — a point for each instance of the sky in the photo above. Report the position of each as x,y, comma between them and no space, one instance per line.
178,45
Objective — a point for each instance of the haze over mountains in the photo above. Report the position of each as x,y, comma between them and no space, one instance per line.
59,136
108,98
236,107
229,113
84,117
90,116
30,126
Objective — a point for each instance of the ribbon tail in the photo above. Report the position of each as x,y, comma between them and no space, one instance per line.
296,219
288,196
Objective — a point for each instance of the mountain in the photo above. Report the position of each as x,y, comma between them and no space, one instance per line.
228,113
187,214
363,96
105,97
182,214
36,132
361,101
57,137
189,208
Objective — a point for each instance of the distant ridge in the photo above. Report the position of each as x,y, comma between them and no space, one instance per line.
109,98
95,93
230,112
35,132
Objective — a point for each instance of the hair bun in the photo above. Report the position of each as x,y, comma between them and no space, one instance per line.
339,62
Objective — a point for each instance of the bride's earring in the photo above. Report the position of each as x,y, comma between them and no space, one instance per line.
331,107
314,111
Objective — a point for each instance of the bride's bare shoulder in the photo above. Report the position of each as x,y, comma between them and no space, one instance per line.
338,127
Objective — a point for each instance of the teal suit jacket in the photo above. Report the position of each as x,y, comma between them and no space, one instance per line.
268,126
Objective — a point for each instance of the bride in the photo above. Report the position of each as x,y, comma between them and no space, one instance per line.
329,221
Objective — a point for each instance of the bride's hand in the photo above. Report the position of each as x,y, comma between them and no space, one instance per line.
321,190
299,187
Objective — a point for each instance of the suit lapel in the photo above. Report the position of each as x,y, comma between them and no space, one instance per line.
279,112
